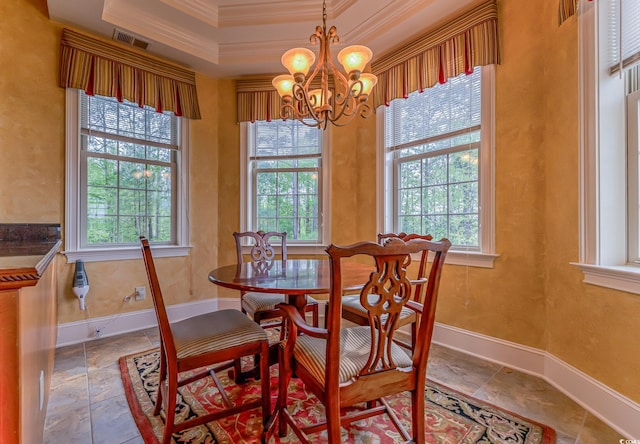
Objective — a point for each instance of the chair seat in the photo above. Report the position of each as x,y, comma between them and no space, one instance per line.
213,332
254,301
352,304
355,344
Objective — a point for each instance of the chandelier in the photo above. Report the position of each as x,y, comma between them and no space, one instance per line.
316,107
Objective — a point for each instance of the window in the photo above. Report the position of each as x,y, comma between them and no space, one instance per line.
610,231
285,180
438,166
633,151
125,167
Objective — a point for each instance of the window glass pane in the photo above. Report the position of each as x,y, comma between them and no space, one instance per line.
435,200
102,201
436,226
433,138
285,206
287,193
285,183
285,224
266,206
464,229
102,172
131,186
102,229
463,197
463,166
267,224
435,170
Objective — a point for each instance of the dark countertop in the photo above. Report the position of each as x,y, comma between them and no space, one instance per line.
25,252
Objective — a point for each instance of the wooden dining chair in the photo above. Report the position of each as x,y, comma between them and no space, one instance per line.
348,366
262,306
205,340
354,311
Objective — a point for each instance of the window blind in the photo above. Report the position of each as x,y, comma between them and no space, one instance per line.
437,118
624,35
127,123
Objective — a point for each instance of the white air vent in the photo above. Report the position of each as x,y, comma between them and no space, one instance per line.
129,39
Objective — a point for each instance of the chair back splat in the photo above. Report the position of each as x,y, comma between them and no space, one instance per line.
347,366
354,311
261,306
261,249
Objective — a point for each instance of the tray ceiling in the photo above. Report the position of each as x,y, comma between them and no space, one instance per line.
245,37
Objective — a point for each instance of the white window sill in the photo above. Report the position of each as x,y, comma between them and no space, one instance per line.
119,254
471,259
620,277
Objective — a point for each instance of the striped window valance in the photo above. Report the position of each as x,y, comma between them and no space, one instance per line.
259,100
469,40
566,9
101,68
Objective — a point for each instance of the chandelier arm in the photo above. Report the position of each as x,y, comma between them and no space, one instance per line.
344,110
300,95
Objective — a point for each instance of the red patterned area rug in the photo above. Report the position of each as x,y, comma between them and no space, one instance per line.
451,417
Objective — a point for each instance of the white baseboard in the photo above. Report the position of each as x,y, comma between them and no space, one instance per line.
81,331
619,412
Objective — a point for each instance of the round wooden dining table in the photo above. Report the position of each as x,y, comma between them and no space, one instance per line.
295,278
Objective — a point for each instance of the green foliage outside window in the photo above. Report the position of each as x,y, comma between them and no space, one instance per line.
287,170
130,156
434,140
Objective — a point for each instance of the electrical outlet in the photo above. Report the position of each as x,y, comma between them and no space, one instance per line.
140,293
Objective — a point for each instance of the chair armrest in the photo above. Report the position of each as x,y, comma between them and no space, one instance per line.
299,325
415,306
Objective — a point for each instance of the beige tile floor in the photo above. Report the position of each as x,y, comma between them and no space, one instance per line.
87,403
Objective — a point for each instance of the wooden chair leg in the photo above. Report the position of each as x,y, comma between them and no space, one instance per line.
265,384
285,377
333,422
170,409
417,415
162,375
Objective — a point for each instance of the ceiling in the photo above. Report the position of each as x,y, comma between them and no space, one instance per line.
224,38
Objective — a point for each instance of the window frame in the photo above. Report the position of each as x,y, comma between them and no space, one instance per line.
603,224
74,180
485,257
248,201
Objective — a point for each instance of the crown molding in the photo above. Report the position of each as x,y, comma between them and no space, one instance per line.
275,12
199,9
149,25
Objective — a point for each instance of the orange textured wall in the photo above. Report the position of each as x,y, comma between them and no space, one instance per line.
533,296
